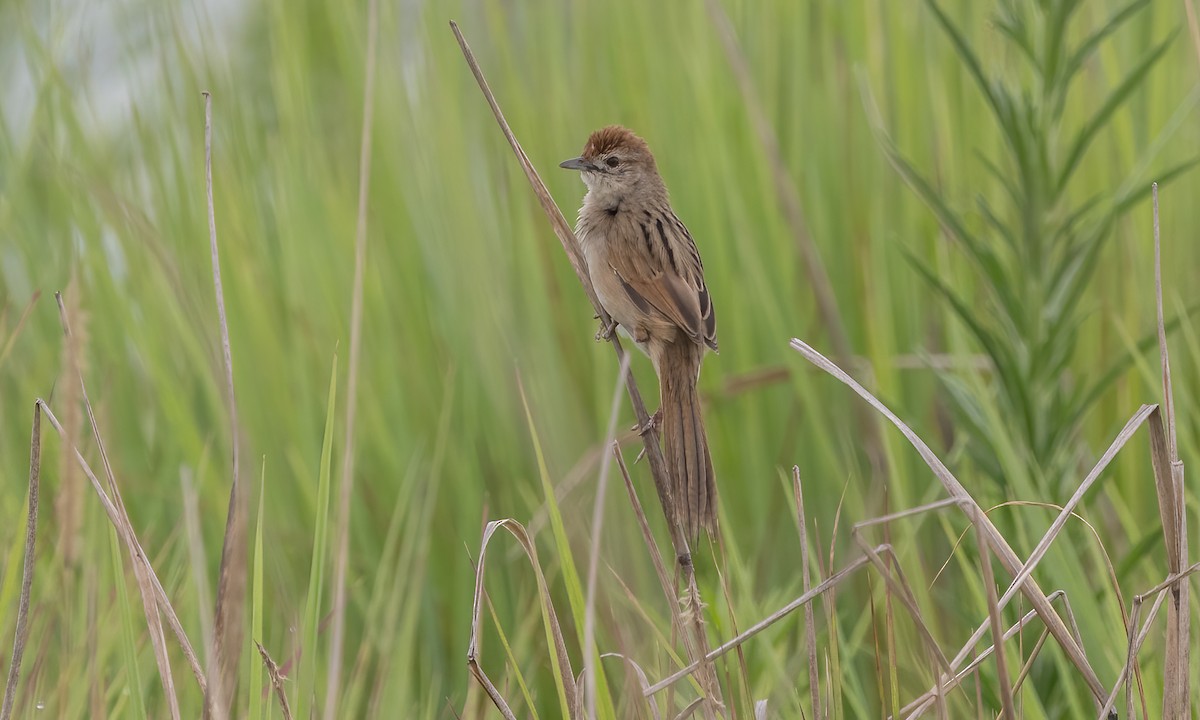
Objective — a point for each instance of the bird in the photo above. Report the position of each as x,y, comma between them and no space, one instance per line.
647,274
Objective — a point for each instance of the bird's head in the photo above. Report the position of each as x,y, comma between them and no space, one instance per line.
614,162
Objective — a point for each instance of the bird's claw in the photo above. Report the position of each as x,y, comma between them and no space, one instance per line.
606,330
651,423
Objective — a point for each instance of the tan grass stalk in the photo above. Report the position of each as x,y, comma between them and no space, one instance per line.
1160,592
654,456
140,564
21,634
231,580
955,489
276,681
810,625
69,498
989,585
137,555
563,674
346,479
1168,480
1065,512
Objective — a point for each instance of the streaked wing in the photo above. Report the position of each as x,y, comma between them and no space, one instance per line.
666,274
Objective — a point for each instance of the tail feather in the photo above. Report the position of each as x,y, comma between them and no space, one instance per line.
685,445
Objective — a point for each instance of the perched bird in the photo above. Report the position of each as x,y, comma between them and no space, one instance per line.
648,276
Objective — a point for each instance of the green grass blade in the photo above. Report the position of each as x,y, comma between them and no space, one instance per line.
575,595
306,685
1114,101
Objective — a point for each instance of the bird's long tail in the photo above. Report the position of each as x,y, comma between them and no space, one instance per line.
685,445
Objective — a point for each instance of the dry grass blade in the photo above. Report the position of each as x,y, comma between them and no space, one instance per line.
563,677
140,565
1065,512
276,681
810,625
830,582
21,635
1160,591
118,519
1008,557
989,584
1168,480
1068,509
346,480
660,568
642,680
231,580
923,702
690,710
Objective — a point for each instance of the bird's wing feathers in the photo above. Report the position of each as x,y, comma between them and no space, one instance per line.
668,277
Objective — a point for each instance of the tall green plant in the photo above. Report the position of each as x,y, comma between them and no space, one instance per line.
1035,246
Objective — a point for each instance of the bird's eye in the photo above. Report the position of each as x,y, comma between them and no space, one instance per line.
612,162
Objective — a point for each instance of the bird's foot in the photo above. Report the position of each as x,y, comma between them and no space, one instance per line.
606,330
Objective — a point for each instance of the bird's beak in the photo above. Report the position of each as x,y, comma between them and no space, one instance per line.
576,164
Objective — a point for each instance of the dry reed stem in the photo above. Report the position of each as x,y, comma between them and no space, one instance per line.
346,480
654,456
135,549
1160,592
810,625
21,635
1168,479
1007,556
140,564
1068,509
68,501
1065,512
276,681
989,584
563,676
231,580
589,613
660,568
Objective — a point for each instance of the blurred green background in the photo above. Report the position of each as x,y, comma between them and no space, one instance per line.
467,292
